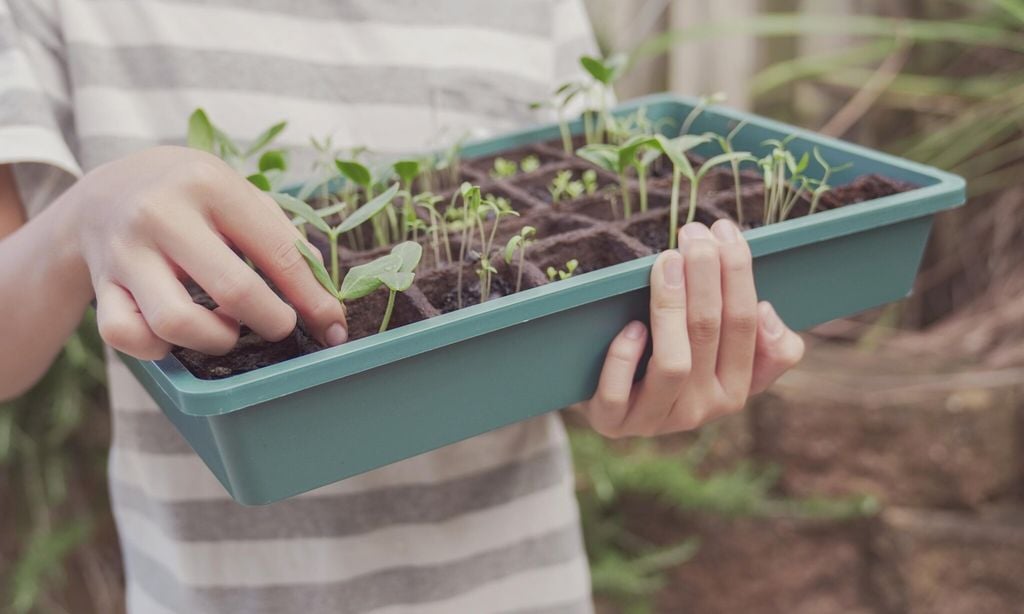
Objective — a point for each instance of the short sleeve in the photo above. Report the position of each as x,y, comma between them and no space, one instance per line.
36,125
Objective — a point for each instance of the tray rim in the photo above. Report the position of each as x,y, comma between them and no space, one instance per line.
207,398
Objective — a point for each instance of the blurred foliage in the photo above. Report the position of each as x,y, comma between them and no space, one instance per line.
629,570
48,462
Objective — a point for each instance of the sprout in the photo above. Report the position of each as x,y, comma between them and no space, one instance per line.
563,186
619,159
726,143
703,103
676,150
395,271
589,179
485,269
316,219
560,101
519,242
203,135
782,193
605,72
504,168
570,268
529,164
822,184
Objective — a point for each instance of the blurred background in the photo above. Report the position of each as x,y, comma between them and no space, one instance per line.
883,476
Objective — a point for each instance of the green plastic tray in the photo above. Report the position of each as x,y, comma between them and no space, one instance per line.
291,427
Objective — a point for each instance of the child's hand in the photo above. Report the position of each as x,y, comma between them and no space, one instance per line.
714,345
145,222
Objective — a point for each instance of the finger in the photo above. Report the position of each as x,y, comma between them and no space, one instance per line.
238,290
607,409
670,358
269,241
703,299
778,349
170,312
739,313
122,326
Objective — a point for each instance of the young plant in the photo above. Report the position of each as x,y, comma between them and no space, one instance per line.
395,271
520,243
676,150
725,142
589,179
564,186
438,228
387,230
703,103
529,163
485,270
359,216
560,101
202,134
619,159
821,185
566,273
504,168
407,171
605,72
784,180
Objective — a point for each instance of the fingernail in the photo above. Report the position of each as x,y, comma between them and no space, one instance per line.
672,269
696,230
726,231
336,334
770,321
635,330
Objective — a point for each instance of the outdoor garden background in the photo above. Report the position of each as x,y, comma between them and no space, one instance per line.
884,475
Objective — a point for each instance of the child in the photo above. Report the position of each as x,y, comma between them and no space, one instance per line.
95,94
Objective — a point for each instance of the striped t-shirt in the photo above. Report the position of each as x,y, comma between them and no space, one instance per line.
486,525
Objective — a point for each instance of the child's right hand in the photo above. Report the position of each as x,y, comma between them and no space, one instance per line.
144,223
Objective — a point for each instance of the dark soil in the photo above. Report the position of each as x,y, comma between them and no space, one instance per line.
589,229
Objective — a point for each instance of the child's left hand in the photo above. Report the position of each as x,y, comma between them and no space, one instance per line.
714,344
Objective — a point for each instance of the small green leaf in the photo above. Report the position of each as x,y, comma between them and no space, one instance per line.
511,247
354,172
368,210
260,181
200,131
301,210
600,154
410,252
606,71
398,281
365,278
317,267
228,148
273,160
265,138
407,170
732,156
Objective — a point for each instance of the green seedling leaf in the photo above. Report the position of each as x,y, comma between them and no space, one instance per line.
410,252
228,148
265,138
273,160
511,247
627,151
317,267
601,154
200,131
397,281
407,170
300,210
675,149
529,164
365,278
606,71
723,158
260,181
354,172
368,210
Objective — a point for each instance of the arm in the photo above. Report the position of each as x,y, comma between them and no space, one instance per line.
129,232
714,344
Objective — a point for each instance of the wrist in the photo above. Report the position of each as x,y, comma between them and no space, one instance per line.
67,266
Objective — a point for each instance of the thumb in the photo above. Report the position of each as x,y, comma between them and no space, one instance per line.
779,349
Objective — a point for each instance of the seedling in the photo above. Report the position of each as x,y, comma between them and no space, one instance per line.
520,243
822,186
703,103
605,73
676,150
589,179
726,143
619,159
560,101
566,273
359,216
407,171
395,271
529,164
504,168
202,134
384,231
563,186
781,193
485,270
